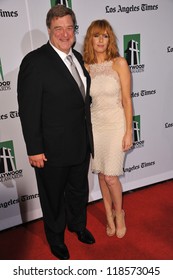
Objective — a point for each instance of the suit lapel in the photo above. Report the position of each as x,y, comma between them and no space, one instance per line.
55,58
86,74
59,64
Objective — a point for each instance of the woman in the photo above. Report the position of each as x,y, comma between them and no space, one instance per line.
111,113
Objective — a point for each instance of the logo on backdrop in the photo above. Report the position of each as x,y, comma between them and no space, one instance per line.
1,71
169,49
144,93
67,3
23,198
142,165
138,143
8,13
8,169
132,52
11,114
4,85
169,125
132,8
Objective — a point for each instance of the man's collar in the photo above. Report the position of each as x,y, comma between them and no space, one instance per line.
61,54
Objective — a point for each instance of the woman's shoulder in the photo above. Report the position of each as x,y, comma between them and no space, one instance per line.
119,61
120,65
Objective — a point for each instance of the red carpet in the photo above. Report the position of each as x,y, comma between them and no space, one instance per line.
149,220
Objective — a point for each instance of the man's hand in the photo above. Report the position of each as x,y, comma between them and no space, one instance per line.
37,160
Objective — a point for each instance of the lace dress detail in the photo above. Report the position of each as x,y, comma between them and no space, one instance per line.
108,120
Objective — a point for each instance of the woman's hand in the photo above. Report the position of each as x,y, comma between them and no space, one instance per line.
127,141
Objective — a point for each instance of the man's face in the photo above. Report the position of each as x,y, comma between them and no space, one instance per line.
61,33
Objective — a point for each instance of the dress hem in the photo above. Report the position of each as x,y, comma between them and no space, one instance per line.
106,174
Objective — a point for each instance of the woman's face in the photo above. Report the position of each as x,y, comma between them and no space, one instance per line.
100,42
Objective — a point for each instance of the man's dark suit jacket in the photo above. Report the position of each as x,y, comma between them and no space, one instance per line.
53,114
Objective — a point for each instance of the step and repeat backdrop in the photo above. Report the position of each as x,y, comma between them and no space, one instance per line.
144,31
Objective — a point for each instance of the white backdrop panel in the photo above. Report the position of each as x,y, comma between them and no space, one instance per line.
23,28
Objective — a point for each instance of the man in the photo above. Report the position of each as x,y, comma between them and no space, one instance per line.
56,126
